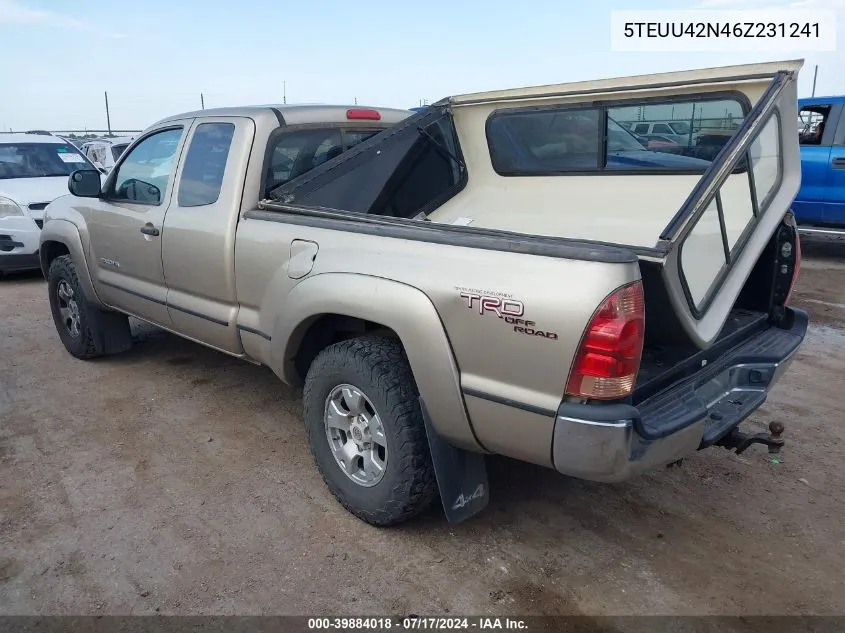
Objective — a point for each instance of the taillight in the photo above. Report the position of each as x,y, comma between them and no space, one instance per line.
365,114
608,358
796,267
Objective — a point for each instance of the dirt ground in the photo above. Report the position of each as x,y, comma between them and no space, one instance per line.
173,479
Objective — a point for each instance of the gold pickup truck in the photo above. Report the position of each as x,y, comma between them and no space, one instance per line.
507,272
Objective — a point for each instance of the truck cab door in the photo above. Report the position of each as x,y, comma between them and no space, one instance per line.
834,214
125,225
815,134
198,240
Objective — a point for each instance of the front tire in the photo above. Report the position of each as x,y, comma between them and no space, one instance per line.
366,430
85,330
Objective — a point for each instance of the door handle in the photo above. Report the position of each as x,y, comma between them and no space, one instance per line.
838,162
149,229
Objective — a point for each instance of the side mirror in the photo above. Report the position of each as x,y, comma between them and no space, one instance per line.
84,183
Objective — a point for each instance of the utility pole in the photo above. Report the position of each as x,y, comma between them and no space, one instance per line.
202,101
108,116
284,92
815,75
356,100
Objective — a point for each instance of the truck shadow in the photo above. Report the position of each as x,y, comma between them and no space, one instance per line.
23,277
543,536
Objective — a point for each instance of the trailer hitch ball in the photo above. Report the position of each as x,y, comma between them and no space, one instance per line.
776,430
738,441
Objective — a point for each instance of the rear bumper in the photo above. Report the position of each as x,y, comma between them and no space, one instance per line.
616,441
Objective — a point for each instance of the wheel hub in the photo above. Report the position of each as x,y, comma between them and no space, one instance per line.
355,435
69,308
360,432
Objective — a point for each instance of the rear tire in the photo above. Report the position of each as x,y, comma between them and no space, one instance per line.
366,385
85,330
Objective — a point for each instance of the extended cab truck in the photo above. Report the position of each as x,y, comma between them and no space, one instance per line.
820,204
498,273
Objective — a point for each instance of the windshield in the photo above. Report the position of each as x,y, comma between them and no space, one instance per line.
39,160
679,127
619,139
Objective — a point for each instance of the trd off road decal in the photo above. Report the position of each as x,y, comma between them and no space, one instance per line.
505,307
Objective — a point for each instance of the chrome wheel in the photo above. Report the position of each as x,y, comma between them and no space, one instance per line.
68,308
356,435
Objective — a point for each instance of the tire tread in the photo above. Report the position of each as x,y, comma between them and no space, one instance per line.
63,268
382,361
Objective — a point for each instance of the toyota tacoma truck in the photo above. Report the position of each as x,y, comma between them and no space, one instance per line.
463,282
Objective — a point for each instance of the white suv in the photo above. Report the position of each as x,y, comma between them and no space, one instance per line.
675,131
34,170
104,152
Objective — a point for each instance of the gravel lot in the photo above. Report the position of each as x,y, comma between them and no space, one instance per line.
174,479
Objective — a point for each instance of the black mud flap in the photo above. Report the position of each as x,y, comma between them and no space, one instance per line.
461,475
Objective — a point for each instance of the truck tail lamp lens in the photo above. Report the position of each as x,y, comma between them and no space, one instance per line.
611,349
363,114
796,266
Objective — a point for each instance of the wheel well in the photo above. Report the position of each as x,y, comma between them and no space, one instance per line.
328,329
50,251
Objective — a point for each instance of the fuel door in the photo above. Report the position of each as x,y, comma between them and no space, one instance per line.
303,253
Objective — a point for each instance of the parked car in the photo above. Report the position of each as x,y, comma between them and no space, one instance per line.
105,152
820,204
34,170
486,276
678,132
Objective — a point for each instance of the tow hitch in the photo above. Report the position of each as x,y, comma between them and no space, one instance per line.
740,441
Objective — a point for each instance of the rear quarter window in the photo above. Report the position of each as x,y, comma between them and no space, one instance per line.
205,164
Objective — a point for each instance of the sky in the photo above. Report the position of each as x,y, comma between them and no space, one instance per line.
156,57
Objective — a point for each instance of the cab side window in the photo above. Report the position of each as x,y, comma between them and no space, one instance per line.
143,176
812,121
205,164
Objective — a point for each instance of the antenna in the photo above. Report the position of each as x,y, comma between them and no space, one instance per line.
284,92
